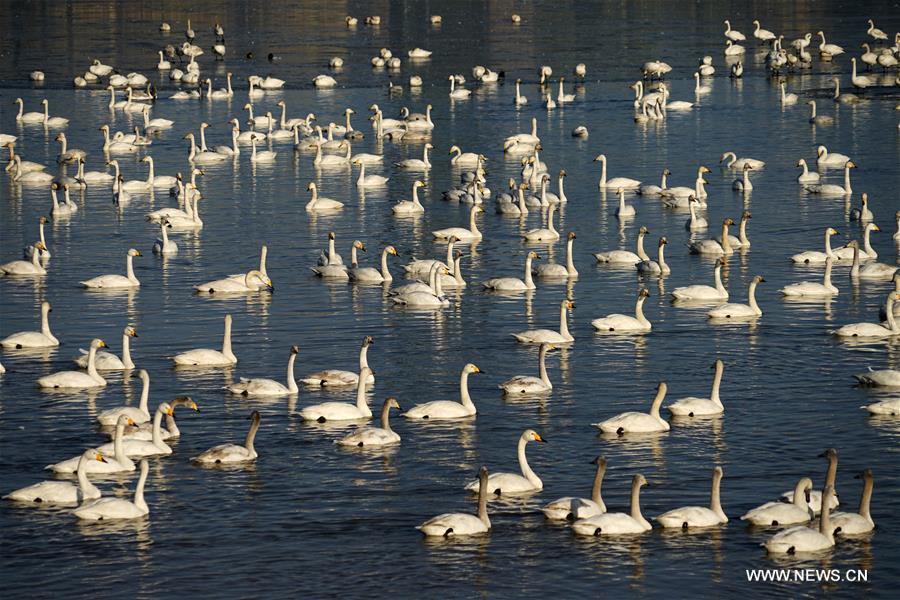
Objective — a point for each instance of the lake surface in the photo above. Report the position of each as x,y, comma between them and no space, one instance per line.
310,518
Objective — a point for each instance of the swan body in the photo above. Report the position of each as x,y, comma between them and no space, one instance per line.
688,517
777,514
342,411
624,257
525,384
511,284
814,289
137,414
268,387
33,339
409,207
540,336
882,378
701,407
815,257
138,448
704,292
317,204
557,271
733,310
253,281
806,176
24,268
814,497
115,509
337,269
371,274
826,159
572,508
206,357
848,524
615,183
448,409
472,234
77,380
462,524
659,266
117,463
638,422
232,453
62,492
875,330
115,282
612,524
374,437
802,539
618,323
505,484
367,181
107,361
714,247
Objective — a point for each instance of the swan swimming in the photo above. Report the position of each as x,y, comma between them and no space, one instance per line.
462,524
607,523
505,484
638,422
688,517
232,453
571,508
448,409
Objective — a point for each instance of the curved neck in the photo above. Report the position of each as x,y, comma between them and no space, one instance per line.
639,311
826,280
353,259
482,502
662,257
854,270
129,268
119,444
542,366
562,193
92,362
570,261
457,271
657,402
425,156
226,342
126,351
847,189
361,403
642,254
636,504
717,382
715,501
867,242
726,242
529,282
415,195
157,424
563,322
831,473
139,490
523,209
45,321
473,227
385,273
603,171
742,232
331,250
465,399
291,382
386,417
751,298
362,174
364,357
88,489
717,274
864,501
251,435
825,518
598,483
525,468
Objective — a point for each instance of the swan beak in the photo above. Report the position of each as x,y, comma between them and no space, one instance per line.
131,422
100,458
876,228
538,438
194,406
134,334
102,344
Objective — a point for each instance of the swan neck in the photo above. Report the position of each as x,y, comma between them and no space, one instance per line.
465,398
825,518
364,357
524,466
726,242
751,298
119,444
251,436
45,320
473,227
563,322
636,504
126,351
639,311
715,499
157,432
85,486
226,342
386,418
720,287
291,382
854,270
867,241
598,484
848,191
866,498
482,502
642,254
385,273
742,232
361,403
542,366
657,402
570,261
662,258
603,172
831,474
529,281
92,363
139,490
826,280
717,383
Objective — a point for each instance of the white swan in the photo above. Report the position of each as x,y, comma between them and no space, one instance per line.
117,463
572,508
859,522
698,516
462,524
813,289
415,164
62,492
232,453
529,139
420,295
731,161
867,252
336,377
777,513
659,266
814,256
263,156
806,176
638,422
713,246
338,270
826,159
743,184
371,274
616,182
814,497
655,190
699,407
818,119
733,34
138,414
505,484
317,204
368,181
618,323
24,268
115,282
519,99
253,281
77,380
875,330
332,257
369,437
107,361
882,378
704,293
409,207
695,222
787,98
733,310
472,234
828,51
802,539
268,387
138,448
27,117
512,284
33,339
539,336
624,257
207,357
557,271
607,523
342,411
163,245
203,157
448,409
113,509
527,384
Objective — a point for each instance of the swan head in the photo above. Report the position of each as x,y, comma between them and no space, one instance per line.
419,184
644,293
309,188
600,157
263,278
530,435
747,167
472,368
392,402
864,199
98,343
428,146
533,255
133,252
746,215
873,227
692,198
368,341
571,235
568,304
165,408
92,453
729,221
359,245
850,165
391,250
131,332
40,246
454,148
662,242
759,279
295,349
821,150
330,235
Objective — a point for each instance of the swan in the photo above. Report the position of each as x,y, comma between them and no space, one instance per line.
117,463
22,268
655,190
828,51
462,524
317,204
422,267
557,271
526,384
62,492
336,377
695,222
418,121
519,99
110,509
539,336
818,119
261,156
28,251
448,409
155,124
743,184
423,296
732,49
858,81
455,279
617,323
52,121
897,233
698,89
253,281
367,181
107,361
33,176
802,539
704,293
268,387
207,357
332,257
814,497
638,422
845,98
549,233
875,330
463,159
19,166
528,139
331,161
232,453
733,34
876,270
814,256
501,484
256,121
861,521
460,93
416,164
166,181
622,210
77,380
813,289
777,514
698,407
882,378
408,207
114,282
659,266
571,508
245,137
863,213
608,523
615,182
92,176
713,247
202,157
163,245
371,274
139,414
66,154
624,257
826,159
763,35
324,81
368,437
867,252
698,516
342,411
33,339
679,196
806,176
733,310
462,234
27,117
787,98
156,446
731,161
876,33
338,270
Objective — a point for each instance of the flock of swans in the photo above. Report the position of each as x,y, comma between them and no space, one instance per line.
137,434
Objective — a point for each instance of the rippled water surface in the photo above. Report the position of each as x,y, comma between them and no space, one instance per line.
310,518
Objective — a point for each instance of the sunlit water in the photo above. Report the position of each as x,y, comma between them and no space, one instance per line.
308,516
